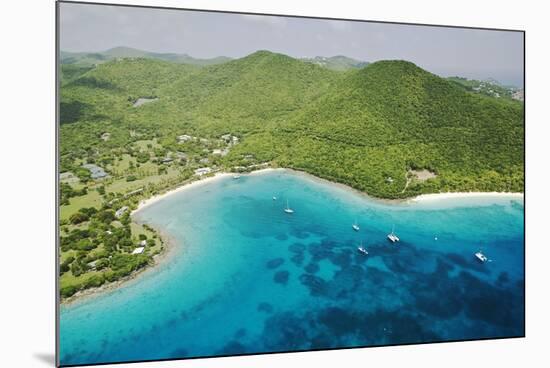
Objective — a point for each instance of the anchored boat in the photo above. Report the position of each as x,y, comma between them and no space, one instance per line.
481,257
392,237
362,249
288,209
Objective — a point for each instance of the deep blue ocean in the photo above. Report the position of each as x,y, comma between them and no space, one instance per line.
246,277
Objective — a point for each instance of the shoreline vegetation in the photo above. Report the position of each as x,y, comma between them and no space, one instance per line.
170,246
419,198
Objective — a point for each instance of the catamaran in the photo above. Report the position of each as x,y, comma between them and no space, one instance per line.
355,226
481,257
362,249
288,209
392,237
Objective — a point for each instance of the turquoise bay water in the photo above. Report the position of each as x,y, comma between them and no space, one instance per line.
247,278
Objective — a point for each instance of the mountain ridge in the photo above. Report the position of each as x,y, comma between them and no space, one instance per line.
91,58
336,62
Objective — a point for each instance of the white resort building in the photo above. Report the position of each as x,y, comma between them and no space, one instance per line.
203,171
121,211
138,250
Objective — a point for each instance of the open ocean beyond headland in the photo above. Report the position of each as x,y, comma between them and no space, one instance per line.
246,277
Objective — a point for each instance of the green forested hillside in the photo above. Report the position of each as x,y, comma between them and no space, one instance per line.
360,127
246,95
391,116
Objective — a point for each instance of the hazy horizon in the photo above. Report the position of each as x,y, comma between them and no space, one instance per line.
470,53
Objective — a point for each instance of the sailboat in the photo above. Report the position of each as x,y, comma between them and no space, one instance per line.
355,226
392,237
362,249
288,209
481,257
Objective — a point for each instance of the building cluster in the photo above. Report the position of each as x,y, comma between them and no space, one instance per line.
518,95
203,171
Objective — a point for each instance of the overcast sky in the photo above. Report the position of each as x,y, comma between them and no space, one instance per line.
478,54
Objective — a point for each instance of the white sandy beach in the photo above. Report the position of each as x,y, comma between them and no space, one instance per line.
457,195
193,184
421,198
266,170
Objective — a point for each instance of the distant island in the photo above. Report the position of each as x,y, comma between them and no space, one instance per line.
136,124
